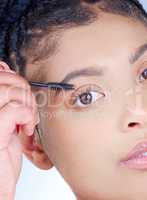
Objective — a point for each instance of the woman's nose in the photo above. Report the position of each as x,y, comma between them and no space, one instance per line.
134,122
135,115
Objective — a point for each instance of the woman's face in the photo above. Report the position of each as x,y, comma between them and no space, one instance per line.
89,130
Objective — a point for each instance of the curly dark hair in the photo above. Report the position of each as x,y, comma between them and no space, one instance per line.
23,23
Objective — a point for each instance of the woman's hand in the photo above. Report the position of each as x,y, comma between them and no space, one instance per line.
17,107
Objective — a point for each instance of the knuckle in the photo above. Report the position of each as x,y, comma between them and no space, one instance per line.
6,90
22,81
15,105
4,87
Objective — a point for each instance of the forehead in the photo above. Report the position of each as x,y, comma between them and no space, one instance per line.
111,38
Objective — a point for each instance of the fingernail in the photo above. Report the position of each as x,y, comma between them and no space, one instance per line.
31,131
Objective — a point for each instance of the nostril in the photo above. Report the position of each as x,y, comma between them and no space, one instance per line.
133,124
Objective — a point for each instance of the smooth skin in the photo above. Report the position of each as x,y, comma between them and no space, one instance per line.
87,143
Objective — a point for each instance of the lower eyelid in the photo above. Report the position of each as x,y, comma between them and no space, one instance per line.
93,105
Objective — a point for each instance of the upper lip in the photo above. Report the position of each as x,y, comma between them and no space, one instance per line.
140,148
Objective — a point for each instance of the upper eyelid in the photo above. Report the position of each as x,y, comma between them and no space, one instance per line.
141,68
78,91
90,85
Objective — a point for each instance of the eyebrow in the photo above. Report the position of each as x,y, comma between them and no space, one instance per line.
93,71
86,72
139,52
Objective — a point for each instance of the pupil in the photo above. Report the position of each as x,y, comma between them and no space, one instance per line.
145,74
86,98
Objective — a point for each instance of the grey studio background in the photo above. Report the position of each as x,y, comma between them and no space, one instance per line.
35,184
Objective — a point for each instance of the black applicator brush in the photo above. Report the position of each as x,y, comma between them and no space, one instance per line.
53,85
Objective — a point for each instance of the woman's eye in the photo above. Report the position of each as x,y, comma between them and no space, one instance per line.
86,96
143,75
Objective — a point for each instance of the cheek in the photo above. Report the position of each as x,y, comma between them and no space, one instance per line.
143,97
70,137
81,147
77,142
65,140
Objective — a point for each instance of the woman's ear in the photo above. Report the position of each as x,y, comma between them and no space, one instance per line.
34,151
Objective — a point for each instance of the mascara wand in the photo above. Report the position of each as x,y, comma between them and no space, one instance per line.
53,85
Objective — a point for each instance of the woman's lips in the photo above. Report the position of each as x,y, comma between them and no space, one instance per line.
137,157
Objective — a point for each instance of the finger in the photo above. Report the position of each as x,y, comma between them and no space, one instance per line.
12,93
25,97
29,128
13,79
10,116
15,151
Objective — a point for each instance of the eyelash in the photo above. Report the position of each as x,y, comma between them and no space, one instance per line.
86,89
75,97
141,78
